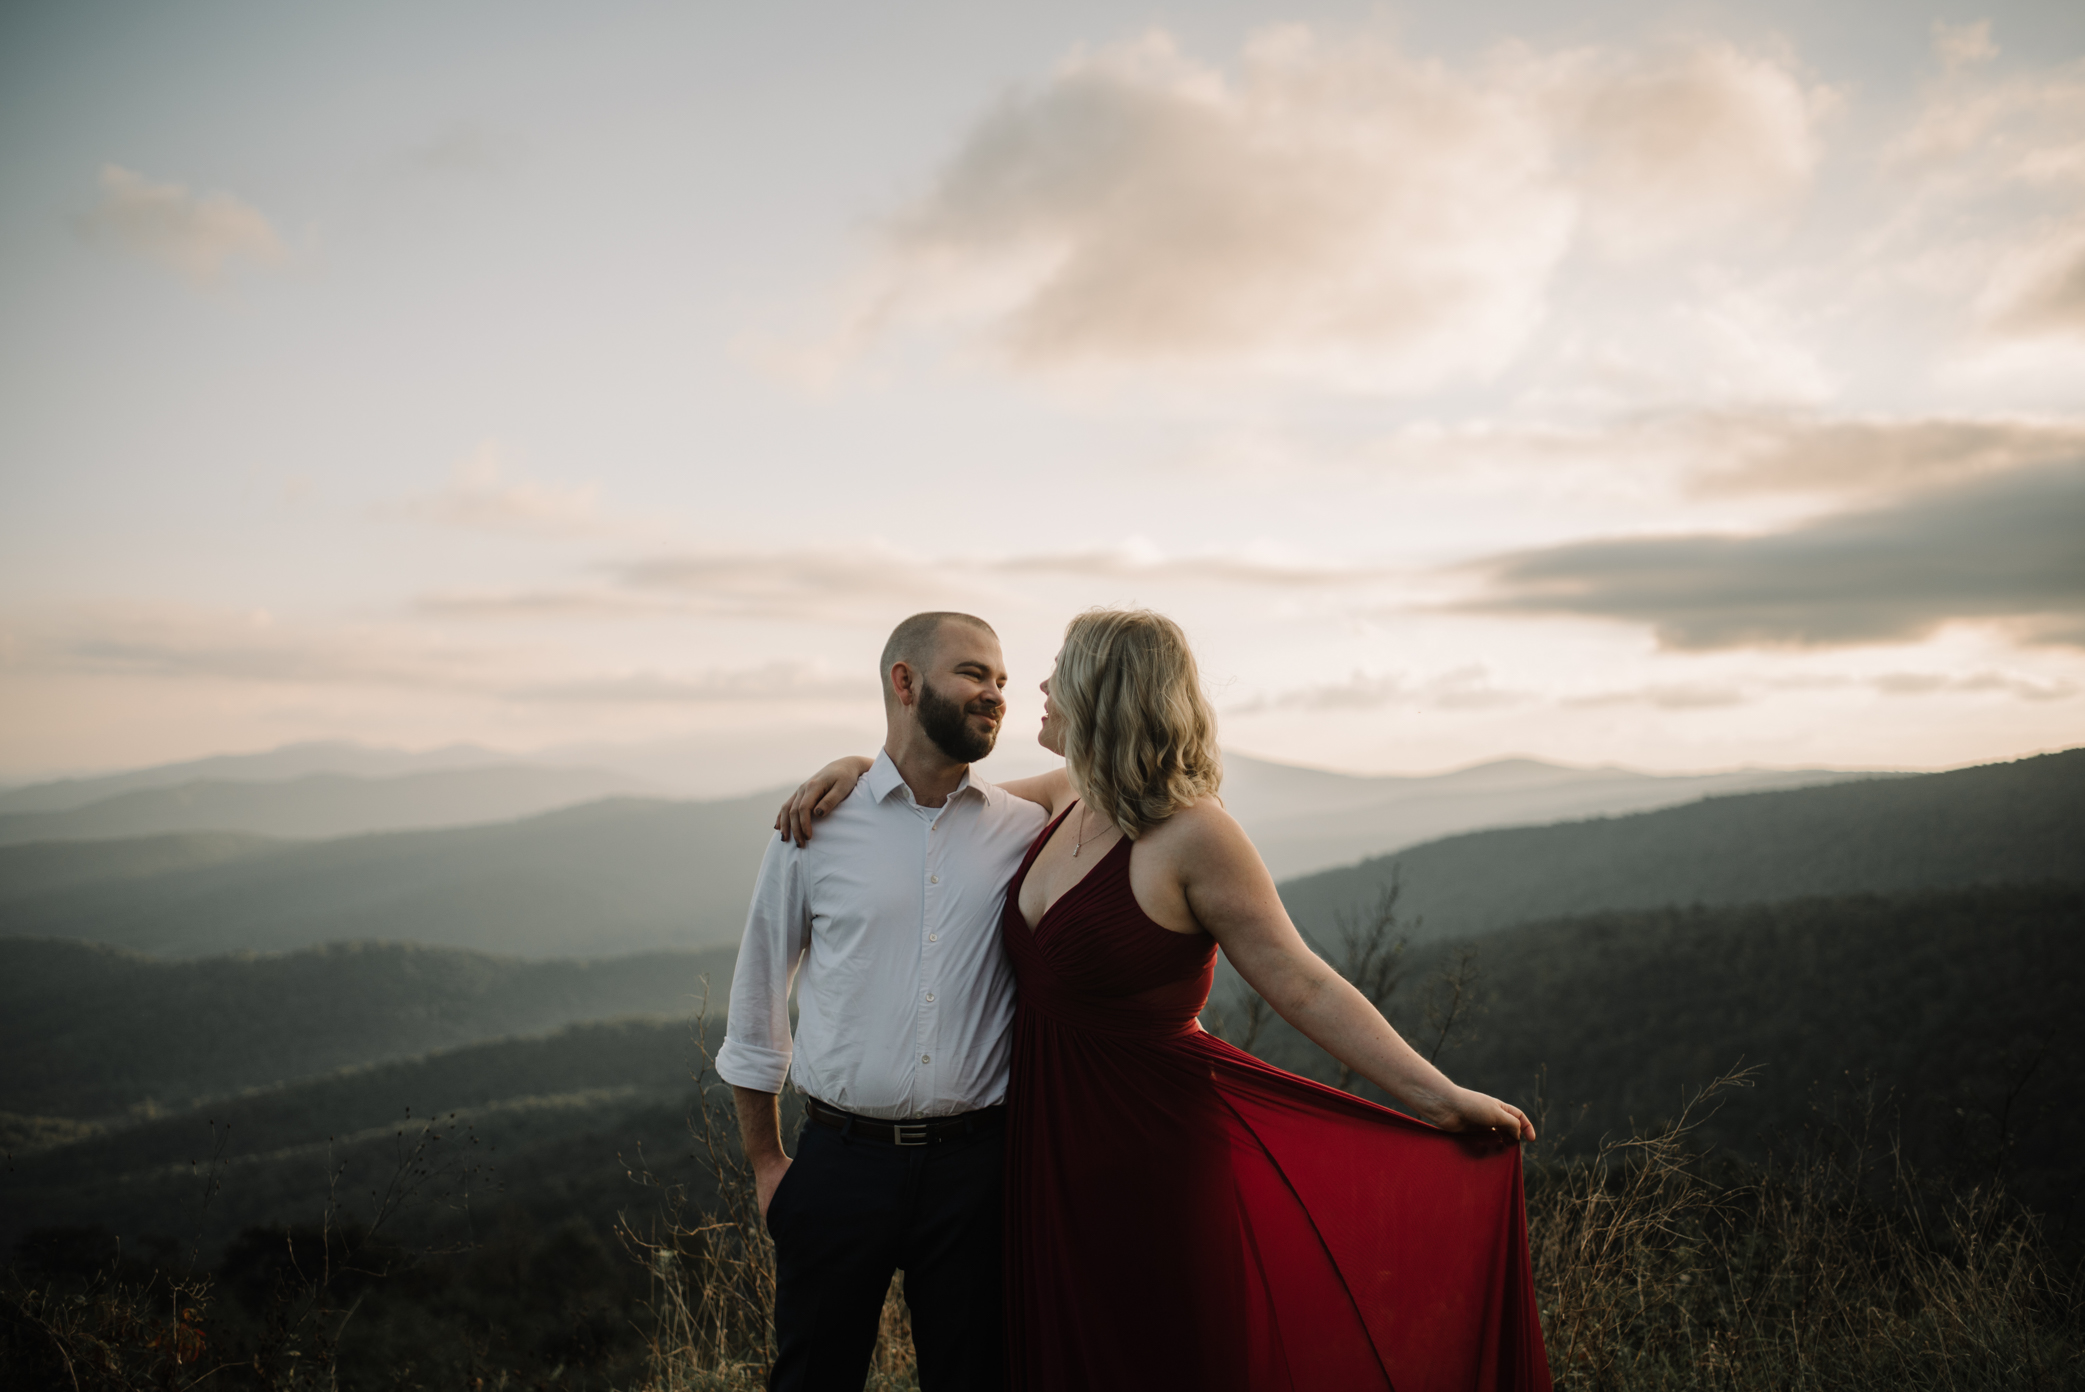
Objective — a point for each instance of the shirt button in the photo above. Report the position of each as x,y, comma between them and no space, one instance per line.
930,997
933,937
925,1059
933,879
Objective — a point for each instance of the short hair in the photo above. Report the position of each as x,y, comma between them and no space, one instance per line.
910,641
1140,736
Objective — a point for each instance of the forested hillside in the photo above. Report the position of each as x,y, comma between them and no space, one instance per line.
30,872
2015,823
1961,1006
1943,975
562,1115
617,876
91,1032
622,875
1306,820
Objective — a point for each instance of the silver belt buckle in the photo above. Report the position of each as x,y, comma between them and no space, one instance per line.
909,1133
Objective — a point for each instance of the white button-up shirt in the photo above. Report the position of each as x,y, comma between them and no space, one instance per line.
888,924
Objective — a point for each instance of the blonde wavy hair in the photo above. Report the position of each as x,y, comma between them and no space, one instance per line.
1140,737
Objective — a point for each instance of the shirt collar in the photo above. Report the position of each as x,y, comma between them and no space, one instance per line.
883,779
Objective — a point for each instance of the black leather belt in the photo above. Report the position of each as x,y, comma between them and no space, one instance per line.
925,1131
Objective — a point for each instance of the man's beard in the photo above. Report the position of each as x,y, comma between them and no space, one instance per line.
946,723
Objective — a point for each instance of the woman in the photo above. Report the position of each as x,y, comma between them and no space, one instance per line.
1180,1214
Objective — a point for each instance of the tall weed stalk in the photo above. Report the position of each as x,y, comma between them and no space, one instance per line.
712,1267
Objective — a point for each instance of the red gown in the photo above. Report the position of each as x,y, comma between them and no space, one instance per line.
1182,1215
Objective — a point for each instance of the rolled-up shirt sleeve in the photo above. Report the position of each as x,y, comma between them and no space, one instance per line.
756,1048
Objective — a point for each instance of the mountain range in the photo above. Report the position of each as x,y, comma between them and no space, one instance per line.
2015,823
327,842
620,875
1302,819
635,874
343,757
321,805
97,1034
1913,939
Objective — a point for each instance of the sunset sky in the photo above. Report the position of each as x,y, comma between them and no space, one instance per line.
1677,386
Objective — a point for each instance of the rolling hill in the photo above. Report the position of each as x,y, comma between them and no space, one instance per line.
1305,820
622,875
40,868
321,805
590,1098
1914,940
92,1033
1955,1009
343,757
2014,823
619,875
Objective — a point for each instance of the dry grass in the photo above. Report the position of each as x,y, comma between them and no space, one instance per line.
713,1271
1657,1268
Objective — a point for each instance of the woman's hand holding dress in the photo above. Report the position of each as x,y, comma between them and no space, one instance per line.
1202,872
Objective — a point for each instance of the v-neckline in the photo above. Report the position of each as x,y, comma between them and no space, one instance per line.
1035,928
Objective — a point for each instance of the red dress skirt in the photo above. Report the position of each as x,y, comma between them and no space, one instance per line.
1182,1215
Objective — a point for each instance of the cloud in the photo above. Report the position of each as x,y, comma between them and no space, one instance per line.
1686,139
1985,128
547,603
1726,452
770,684
847,580
1465,688
1996,166
196,235
480,497
461,149
1959,46
2006,548
2039,289
1780,451
1682,696
1672,696
1330,206
1139,560
256,648
2003,683
806,587
860,580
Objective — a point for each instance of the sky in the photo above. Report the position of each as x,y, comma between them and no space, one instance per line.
1679,386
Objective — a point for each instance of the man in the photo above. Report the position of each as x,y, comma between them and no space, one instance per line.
889,924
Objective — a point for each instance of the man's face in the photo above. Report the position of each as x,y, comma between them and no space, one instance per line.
961,700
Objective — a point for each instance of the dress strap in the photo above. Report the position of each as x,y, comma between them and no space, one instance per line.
1041,840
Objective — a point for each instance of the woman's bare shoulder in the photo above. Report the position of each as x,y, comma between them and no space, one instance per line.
1204,851
1201,827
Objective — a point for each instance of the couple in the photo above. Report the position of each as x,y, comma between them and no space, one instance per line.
1084,1190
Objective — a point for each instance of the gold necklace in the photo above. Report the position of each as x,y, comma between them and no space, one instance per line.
1079,842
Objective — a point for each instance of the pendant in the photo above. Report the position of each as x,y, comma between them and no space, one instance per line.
1074,852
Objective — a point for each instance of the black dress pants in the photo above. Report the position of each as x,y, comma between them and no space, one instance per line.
852,1210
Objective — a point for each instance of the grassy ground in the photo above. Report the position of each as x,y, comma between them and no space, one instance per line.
1658,1265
